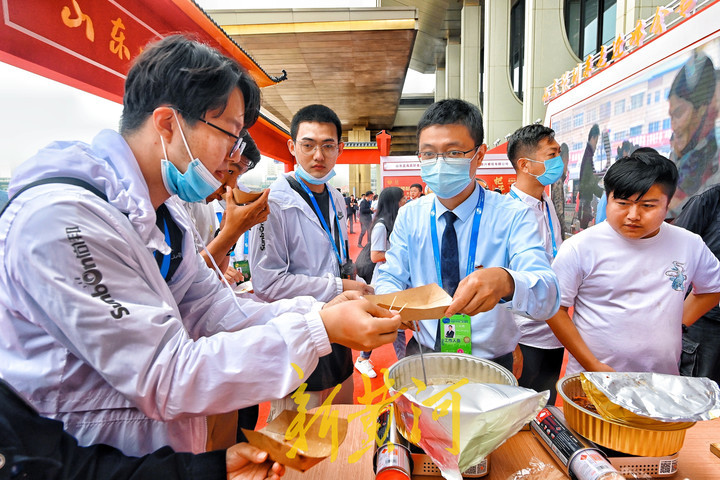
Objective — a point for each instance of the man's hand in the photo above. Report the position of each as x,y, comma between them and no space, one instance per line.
359,324
245,462
344,297
361,287
238,219
517,362
233,276
481,291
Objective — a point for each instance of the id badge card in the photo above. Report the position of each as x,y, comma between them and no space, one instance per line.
243,266
456,334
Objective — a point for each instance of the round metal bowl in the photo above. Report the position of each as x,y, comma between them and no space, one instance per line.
441,369
617,436
446,368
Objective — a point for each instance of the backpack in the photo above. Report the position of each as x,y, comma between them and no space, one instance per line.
363,265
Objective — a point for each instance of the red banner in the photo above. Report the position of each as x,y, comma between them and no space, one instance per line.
89,44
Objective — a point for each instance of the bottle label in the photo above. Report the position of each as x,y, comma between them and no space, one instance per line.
391,456
589,464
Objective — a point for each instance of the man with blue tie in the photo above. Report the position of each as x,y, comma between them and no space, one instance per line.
483,248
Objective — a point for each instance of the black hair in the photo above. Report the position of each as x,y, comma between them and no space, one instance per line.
251,151
453,111
695,82
369,192
315,113
418,186
188,75
525,140
388,206
594,131
564,151
638,172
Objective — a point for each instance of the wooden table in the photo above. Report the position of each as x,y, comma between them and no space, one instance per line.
695,462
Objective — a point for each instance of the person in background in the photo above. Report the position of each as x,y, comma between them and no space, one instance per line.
627,277
588,182
701,341
557,190
536,157
374,204
349,212
693,111
131,349
36,447
391,199
416,191
302,247
366,216
353,210
490,257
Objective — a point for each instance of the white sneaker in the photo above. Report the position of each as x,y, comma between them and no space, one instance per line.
365,367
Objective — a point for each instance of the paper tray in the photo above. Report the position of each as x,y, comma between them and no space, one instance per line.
272,440
428,302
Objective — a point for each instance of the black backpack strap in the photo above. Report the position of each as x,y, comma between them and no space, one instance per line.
44,181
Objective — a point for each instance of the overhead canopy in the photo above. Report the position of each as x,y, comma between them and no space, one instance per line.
353,60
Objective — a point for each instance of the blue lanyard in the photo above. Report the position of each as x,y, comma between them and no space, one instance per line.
165,267
473,237
322,219
246,244
549,219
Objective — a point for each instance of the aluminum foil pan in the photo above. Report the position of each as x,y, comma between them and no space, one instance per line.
614,435
469,408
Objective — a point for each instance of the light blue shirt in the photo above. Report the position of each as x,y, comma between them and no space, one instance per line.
509,238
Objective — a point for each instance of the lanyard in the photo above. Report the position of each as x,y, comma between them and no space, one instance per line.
549,219
473,238
322,218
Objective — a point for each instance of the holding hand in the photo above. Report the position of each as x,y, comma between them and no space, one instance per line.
238,219
245,462
361,287
481,291
359,324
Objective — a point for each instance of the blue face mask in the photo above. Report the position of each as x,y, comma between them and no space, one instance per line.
554,168
445,180
196,184
302,173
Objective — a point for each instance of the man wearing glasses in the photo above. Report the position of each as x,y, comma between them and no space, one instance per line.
302,248
111,321
481,247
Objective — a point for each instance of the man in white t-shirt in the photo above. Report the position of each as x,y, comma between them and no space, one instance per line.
627,277
535,156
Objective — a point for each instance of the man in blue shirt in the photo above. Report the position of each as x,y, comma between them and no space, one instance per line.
491,260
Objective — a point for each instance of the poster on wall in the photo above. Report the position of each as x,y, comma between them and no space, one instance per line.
495,173
666,96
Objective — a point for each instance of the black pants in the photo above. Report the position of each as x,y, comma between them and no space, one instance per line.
365,223
541,369
413,348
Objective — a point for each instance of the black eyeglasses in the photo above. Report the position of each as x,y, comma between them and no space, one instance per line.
239,142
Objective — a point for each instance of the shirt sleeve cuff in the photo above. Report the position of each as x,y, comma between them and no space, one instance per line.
519,299
318,334
339,285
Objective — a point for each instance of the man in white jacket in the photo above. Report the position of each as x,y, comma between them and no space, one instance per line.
111,321
302,248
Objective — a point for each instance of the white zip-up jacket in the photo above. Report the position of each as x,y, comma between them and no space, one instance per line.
290,253
92,335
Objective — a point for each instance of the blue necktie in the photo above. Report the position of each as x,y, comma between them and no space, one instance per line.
449,264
